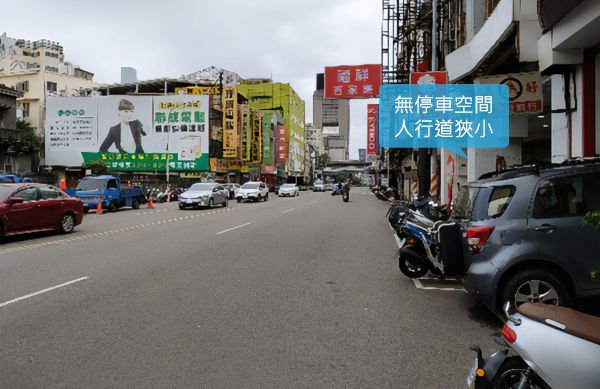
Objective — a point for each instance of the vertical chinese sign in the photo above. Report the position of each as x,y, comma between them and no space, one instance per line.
256,137
352,82
230,136
281,144
245,124
267,132
372,131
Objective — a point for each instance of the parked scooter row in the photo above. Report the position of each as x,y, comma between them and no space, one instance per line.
556,347
420,227
385,193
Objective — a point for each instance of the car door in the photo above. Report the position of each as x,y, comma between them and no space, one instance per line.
27,215
52,206
557,225
219,194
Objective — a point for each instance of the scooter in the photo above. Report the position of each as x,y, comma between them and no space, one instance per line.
557,347
342,189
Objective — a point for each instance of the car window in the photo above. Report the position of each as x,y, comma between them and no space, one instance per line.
112,184
249,185
499,200
567,196
29,194
47,192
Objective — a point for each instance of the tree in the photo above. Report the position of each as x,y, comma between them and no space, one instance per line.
324,159
28,135
97,167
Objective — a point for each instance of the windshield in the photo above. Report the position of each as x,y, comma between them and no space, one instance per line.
5,190
318,182
201,188
250,186
92,184
287,185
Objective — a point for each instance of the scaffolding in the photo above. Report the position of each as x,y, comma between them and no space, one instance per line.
406,36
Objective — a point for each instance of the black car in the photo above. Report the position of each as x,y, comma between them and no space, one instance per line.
529,234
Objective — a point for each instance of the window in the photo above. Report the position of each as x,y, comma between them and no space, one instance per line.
8,162
29,194
49,193
567,196
25,110
112,184
51,69
499,200
51,86
49,54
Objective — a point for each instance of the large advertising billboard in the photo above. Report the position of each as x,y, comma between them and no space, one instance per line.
129,133
352,82
372,131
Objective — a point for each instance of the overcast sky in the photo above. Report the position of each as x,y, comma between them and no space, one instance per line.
290,41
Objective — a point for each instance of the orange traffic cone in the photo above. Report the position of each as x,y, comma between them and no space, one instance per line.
169,198
150,205
99,209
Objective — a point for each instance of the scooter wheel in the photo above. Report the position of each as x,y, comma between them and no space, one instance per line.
509,375
346,197
412,271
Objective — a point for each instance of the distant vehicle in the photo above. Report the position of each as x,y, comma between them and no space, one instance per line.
107,191
29,207
290,190
13,179
204,194
254,191
318,186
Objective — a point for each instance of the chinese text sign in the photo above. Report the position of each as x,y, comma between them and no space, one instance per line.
352,82
444,116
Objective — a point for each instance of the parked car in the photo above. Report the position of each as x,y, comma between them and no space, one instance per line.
232,188
37,207
528,234
204,194
290,190
319,186
254,191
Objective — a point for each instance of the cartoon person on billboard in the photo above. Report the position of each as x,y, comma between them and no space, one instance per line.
114,134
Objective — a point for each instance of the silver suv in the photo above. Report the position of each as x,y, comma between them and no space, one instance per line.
529,234
254,191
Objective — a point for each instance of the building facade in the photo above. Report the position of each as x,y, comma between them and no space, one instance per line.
332,116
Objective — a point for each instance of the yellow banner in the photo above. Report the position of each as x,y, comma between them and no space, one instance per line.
199,90
230,122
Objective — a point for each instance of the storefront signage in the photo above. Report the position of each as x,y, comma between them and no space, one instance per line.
352,82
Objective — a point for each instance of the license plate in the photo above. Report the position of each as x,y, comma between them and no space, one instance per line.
472,375
245,196
189,201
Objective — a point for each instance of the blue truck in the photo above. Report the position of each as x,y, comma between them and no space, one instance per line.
107,191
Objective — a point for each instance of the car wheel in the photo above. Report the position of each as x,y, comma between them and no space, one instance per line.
267,197
225,202
534,285
211,202
412,271
135,204
181,206
239,200
86,210
112,207
67,223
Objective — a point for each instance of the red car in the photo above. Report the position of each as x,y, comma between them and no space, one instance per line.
37,207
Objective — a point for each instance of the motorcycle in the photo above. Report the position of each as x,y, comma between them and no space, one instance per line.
342,189
557,348
422,227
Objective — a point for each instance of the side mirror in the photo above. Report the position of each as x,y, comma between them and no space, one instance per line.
15,200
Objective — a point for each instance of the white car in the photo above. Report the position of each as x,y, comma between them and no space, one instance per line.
254,191
319,186
289,190
204,194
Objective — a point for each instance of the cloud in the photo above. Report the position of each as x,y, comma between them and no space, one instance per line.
290,41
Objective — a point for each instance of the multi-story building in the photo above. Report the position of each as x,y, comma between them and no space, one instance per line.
9,135
314,138
332,116
38,69
266,96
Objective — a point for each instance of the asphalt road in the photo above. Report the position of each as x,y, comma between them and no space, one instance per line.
292,293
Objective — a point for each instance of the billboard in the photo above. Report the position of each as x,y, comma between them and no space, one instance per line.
128,133
524,90
352,82
281,144
429,77
372,131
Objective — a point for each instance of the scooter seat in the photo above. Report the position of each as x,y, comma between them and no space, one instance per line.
576,323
